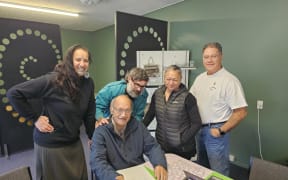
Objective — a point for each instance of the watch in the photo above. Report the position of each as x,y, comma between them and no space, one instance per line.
221,132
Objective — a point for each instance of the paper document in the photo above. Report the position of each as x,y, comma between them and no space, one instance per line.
140,172
217,176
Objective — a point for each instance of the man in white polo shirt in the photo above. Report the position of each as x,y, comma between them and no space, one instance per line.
222,105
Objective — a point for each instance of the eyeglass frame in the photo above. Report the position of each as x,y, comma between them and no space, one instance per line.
121,111
138,85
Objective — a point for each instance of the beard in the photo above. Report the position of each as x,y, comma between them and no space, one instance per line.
132,93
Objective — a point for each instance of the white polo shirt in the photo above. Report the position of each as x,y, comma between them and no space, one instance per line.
217,95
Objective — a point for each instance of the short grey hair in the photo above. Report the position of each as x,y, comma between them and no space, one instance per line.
174,68
216,45
121,96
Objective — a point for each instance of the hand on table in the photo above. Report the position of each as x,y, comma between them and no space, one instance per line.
160,173
120,177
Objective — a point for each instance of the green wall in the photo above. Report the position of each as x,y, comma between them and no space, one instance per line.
70,37
254,39
257,57
105,64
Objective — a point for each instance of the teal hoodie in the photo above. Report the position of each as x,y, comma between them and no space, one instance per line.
113,89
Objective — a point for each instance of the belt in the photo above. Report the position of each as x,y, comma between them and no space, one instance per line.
211,124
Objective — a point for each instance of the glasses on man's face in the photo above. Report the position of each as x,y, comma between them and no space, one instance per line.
138,85
121,111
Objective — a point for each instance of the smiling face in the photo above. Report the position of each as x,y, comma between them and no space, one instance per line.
212,60
121,109
172,79
135,87
81,61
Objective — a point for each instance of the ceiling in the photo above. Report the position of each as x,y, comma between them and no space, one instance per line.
91,17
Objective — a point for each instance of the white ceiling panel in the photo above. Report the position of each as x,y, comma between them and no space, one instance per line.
93,15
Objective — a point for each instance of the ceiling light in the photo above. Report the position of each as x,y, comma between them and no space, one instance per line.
89,2
46,10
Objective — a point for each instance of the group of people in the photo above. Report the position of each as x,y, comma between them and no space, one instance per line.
189,122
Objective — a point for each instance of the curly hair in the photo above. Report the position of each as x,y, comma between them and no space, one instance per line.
66,76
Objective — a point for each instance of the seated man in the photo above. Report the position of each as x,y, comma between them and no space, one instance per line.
122,143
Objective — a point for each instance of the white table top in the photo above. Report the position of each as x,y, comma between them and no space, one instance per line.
176,166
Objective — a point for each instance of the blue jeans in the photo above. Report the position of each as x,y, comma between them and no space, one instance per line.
213,152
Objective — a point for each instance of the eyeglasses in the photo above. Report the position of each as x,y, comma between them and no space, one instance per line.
138,85
121,111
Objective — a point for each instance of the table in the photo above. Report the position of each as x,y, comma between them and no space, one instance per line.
176,167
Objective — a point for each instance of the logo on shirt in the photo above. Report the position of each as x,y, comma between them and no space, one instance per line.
213,86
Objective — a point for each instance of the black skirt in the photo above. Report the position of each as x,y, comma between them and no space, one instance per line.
61,163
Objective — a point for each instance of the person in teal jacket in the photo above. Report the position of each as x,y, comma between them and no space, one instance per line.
134,86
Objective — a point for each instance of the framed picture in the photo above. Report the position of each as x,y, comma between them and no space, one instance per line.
155,63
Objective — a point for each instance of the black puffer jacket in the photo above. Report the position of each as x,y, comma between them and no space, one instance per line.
178,119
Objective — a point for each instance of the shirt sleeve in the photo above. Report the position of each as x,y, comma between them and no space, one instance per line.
236,97
98,157
103,100
194,118
89,119
150,114
152,149
21,95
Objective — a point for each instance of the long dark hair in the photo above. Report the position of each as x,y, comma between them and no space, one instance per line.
66,77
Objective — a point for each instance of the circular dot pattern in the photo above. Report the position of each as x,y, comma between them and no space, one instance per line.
129,40
4,43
